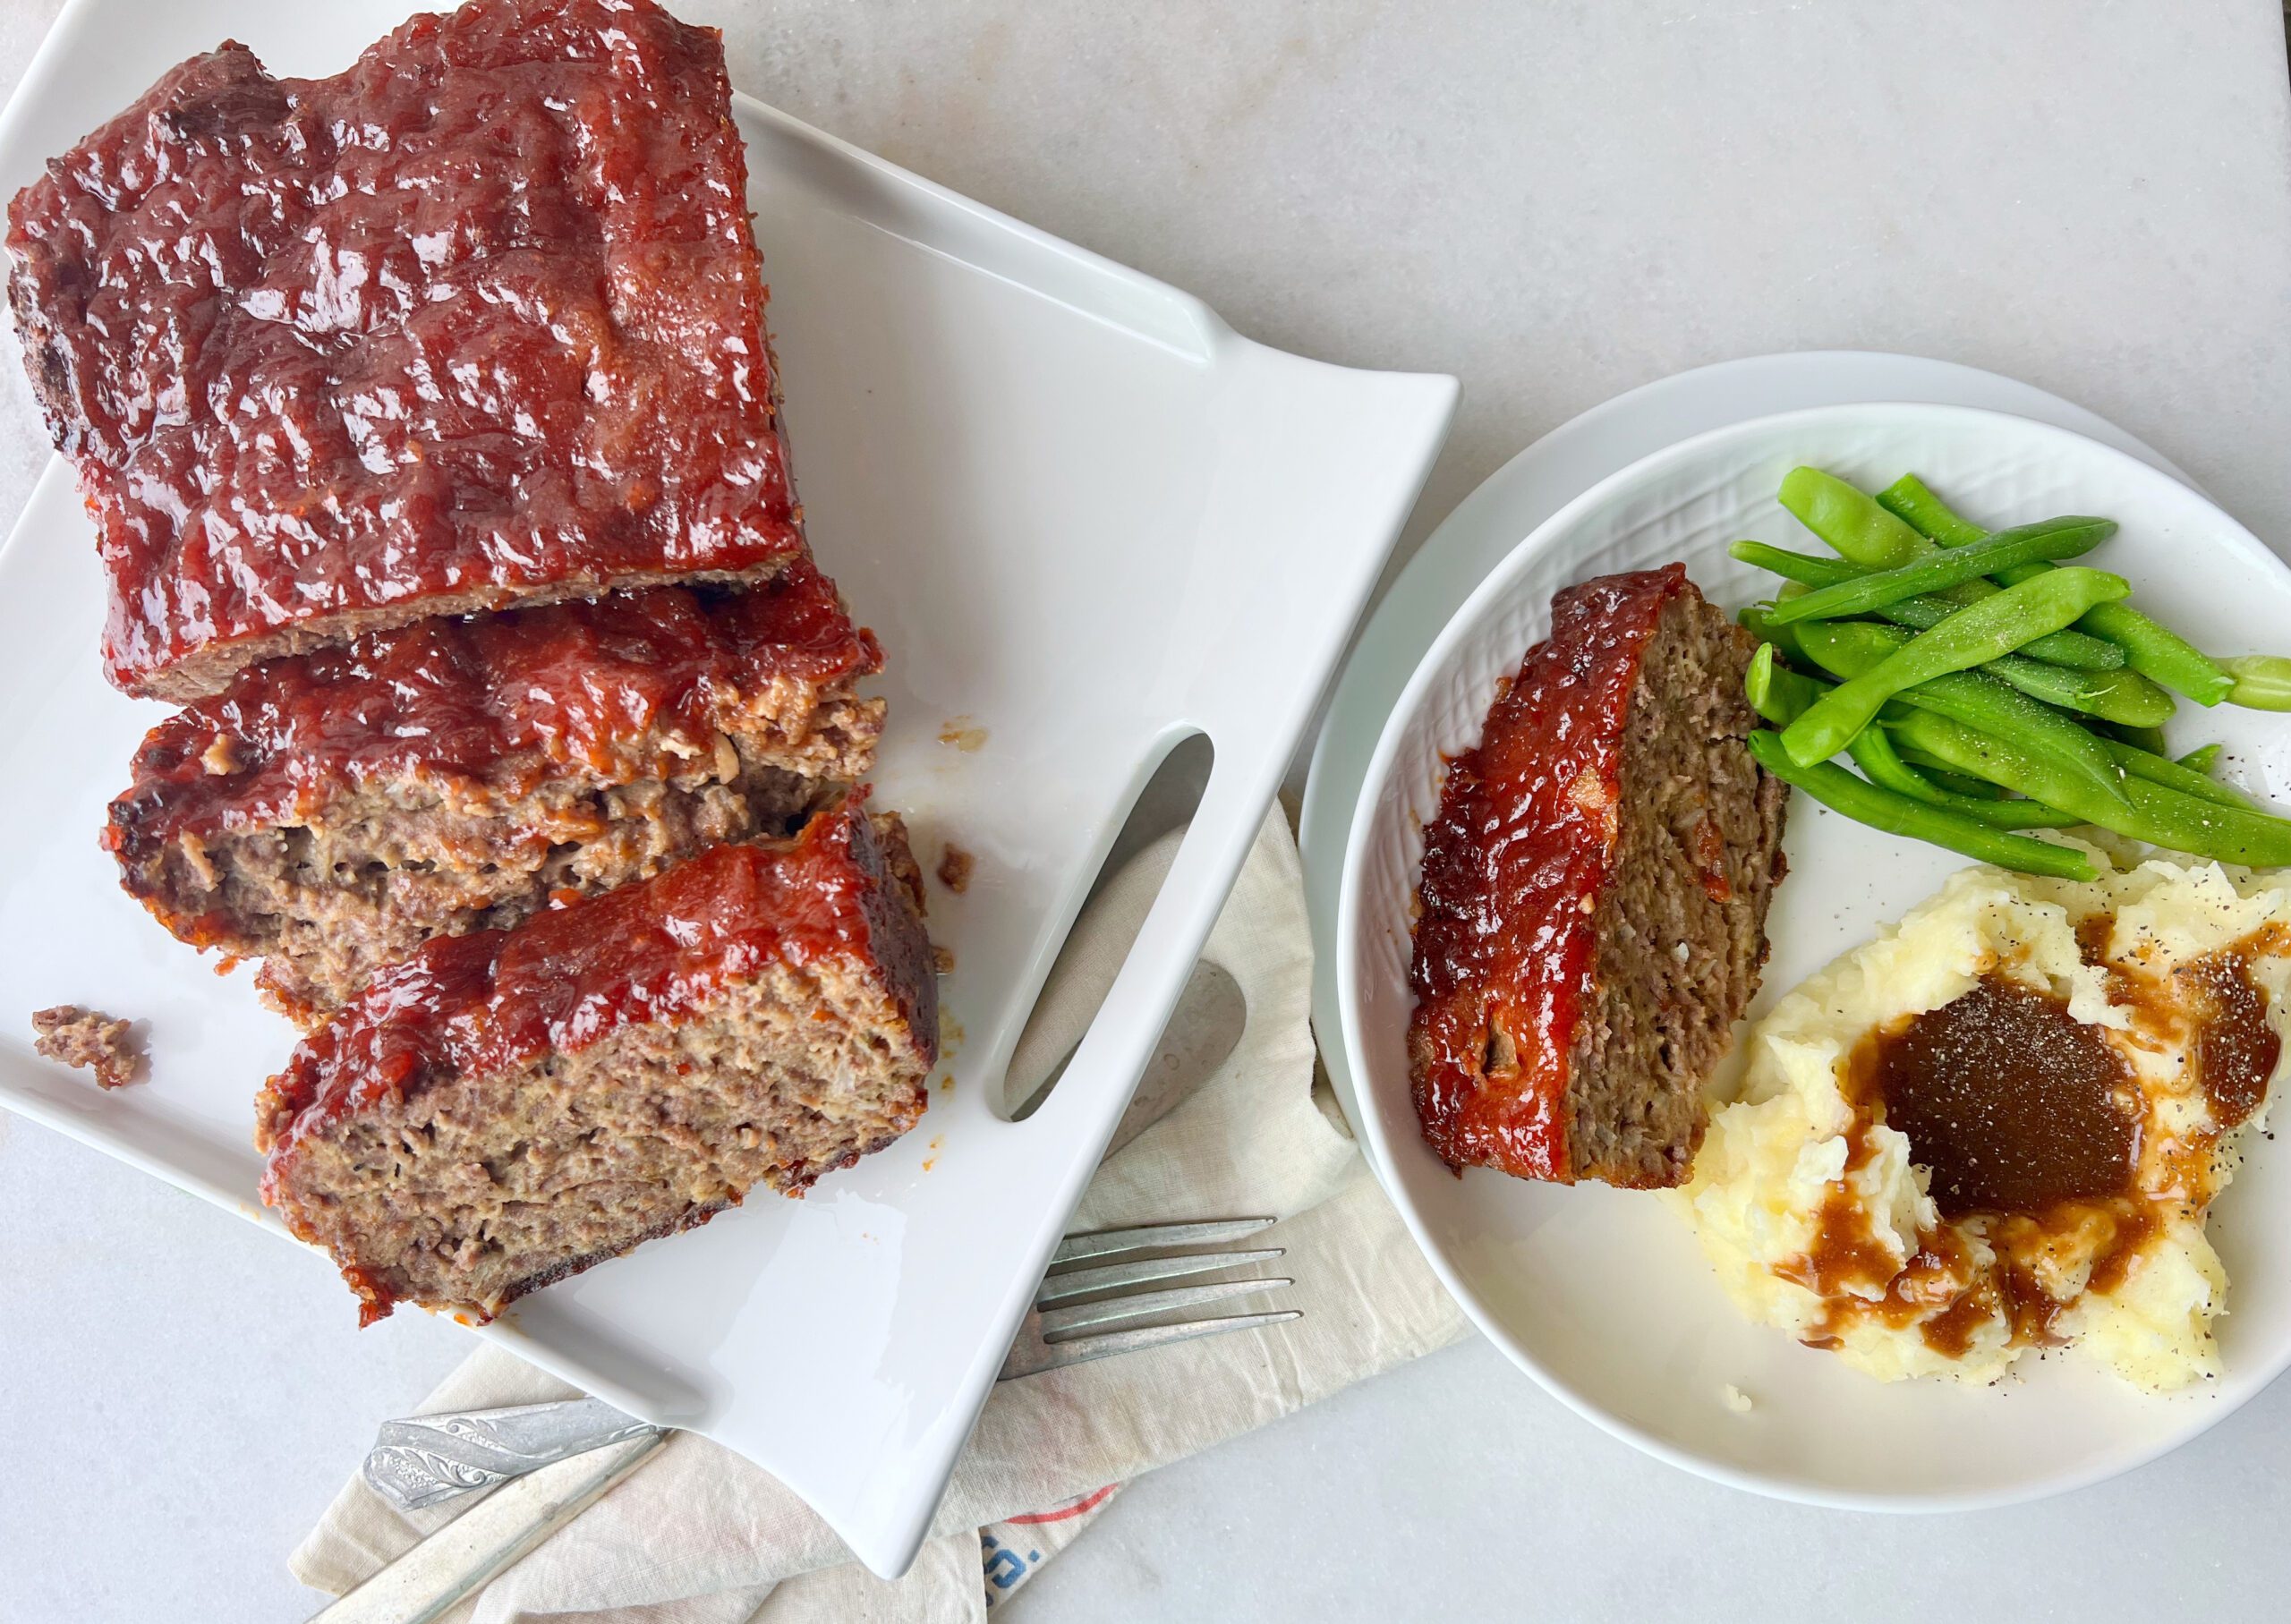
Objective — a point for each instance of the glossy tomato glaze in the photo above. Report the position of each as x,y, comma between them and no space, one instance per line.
663,950
496,701
481,316
1514,870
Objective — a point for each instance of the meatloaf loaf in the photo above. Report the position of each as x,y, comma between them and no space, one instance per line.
507,1108
332,811
479,320
1593,894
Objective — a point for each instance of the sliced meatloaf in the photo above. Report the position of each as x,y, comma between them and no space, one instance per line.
332,811
507,1108
477,321
1593,894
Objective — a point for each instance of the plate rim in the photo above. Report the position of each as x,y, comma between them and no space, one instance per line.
1769,1483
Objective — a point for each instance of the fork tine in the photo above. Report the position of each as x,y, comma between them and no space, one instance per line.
1081,1317
1113,1243
1075,1350
1058,1288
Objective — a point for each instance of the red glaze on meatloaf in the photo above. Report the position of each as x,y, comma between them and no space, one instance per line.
1586,941
629,686
480,319
330,811
655,1022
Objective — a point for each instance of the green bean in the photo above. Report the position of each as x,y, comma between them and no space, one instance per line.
2074,650
1874,754
2148,739
1778,694
1907,498
1781,695
1968,638
2115,696
2150,648
1936,769
1978,701
2173,775
1928,735
2164,817
1852,523
2158,652
1758,619
1847,648
2263,681
1808,568
1897,814
2203,759
1934,572
2158,813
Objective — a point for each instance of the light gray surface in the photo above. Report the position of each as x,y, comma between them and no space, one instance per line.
1557,201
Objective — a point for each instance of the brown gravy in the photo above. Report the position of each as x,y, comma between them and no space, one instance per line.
2236,1048
2013,1104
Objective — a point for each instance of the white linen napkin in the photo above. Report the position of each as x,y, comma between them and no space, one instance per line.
699,1536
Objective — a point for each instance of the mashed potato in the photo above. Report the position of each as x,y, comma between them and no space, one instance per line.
1823,1219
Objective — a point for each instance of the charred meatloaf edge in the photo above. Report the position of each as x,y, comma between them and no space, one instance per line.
507,1109
331,812
479,320
1595,894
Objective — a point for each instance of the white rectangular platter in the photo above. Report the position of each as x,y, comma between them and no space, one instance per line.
1087,520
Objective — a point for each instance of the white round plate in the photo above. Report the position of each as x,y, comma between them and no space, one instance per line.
1603,1294
1490,521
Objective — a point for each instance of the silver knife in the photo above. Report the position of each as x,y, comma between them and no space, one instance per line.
425,1460
486,1540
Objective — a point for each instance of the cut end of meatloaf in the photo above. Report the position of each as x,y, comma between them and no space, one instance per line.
477,321
509,1107
330,813
1595,895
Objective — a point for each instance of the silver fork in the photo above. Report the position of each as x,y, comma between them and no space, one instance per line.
428,1460
1074,1301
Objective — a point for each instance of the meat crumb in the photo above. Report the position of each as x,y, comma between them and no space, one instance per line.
955,865
90,1040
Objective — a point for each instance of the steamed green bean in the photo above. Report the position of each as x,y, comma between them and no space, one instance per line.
2125,697
2150,648
2055,538
1908,499
1897,814
1873,752
2074,650
2263,681
1971,637
1849,520
2173,775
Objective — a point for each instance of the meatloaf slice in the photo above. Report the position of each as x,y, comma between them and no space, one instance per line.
330,811
477,321
507,1108
1593,894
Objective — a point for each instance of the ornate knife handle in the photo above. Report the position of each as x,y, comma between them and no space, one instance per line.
426,1459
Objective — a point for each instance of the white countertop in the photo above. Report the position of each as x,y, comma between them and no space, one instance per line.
1555,201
